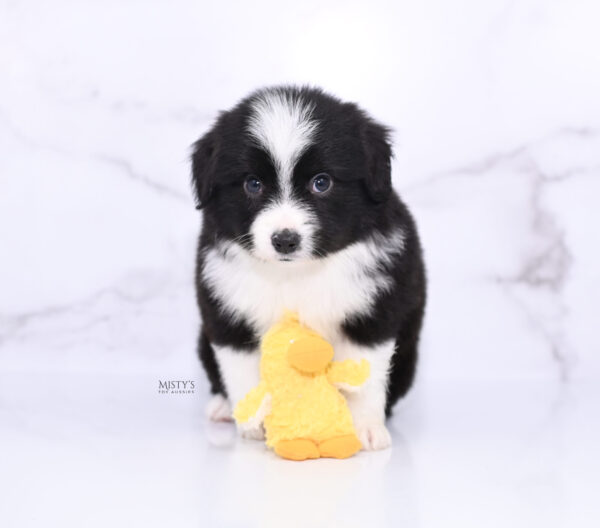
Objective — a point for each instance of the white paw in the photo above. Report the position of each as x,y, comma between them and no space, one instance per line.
218,409
251,431
374,436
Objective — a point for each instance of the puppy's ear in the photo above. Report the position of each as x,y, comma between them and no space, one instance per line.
203,168
377,147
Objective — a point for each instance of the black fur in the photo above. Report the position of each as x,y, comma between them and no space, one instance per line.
356,152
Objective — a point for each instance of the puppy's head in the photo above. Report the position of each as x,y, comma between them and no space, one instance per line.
292,174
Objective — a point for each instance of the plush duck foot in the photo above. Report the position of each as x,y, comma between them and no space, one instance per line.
297,449
340,446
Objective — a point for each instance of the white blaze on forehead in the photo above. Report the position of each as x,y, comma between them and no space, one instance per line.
282,124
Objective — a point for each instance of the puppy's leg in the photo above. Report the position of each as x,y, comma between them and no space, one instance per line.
367,404
218,408
240,373
404,361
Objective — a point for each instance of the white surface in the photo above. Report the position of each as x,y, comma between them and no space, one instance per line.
89,450
497,125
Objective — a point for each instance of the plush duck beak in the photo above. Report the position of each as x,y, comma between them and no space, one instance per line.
310,354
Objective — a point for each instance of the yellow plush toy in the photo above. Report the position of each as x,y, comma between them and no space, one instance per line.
304,415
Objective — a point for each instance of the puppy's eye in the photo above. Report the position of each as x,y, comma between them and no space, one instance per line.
321,183
253,185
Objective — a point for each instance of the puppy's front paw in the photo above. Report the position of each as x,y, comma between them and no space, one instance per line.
251,431
218,409
374,436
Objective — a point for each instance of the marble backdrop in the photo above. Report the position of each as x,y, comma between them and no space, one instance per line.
496,119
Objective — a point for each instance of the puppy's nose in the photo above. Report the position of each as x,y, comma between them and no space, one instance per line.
285,241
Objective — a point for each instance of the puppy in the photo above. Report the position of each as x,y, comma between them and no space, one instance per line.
299,213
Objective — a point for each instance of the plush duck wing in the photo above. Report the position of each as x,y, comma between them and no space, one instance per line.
254,406
348,374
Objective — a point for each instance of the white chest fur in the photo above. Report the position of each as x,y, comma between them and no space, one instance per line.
323,292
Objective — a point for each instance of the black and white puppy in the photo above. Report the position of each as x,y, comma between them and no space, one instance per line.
299,213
